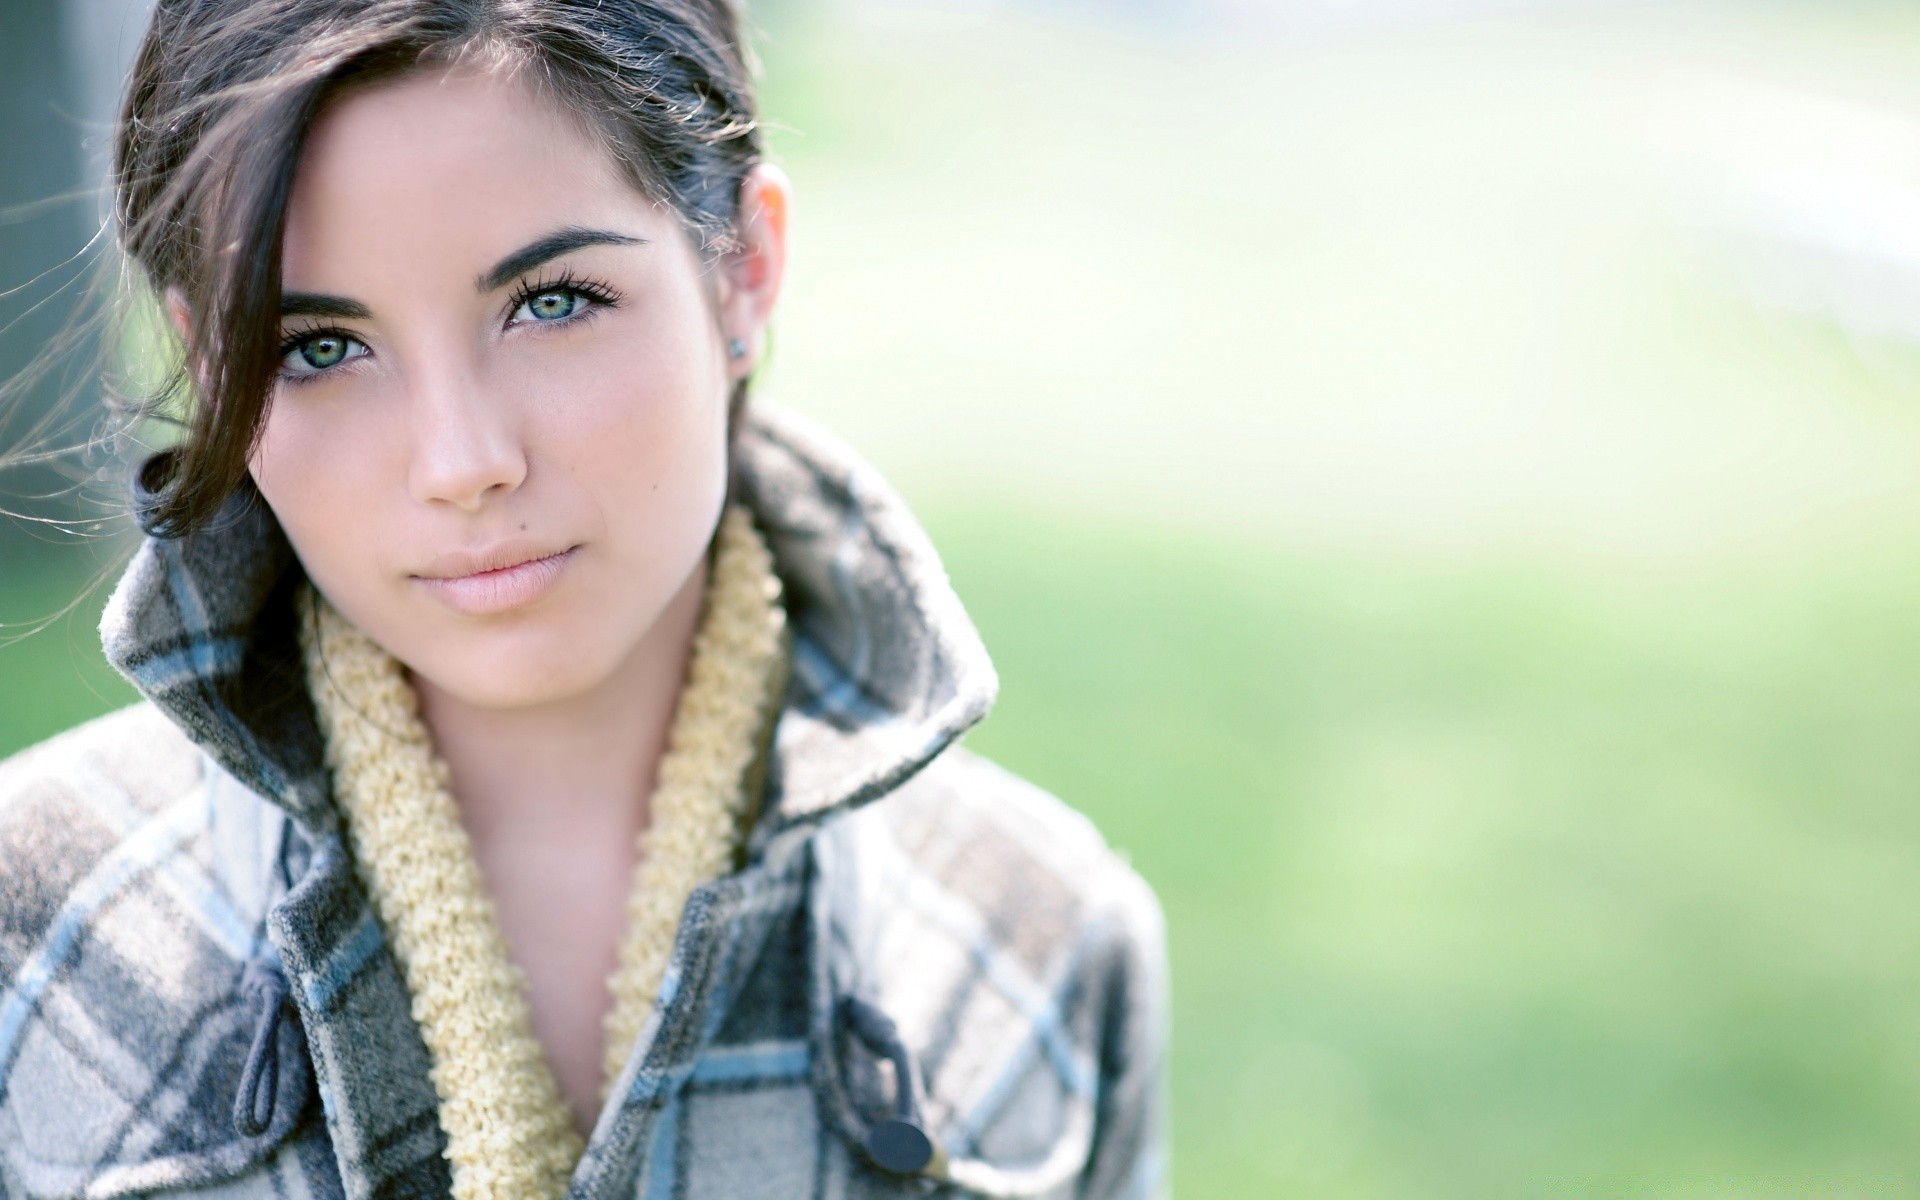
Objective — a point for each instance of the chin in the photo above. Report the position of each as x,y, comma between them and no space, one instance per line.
520,666
516,681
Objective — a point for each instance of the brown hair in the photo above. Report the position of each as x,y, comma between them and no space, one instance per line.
220,100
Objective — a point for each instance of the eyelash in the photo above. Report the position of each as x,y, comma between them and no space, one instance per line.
600,294
291,342
565,281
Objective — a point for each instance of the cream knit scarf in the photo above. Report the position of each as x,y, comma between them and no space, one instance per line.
509,1136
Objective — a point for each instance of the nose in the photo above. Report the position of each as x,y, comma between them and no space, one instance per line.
467,448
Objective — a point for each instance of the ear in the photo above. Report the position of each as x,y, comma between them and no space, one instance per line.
182,317
753,271
180,314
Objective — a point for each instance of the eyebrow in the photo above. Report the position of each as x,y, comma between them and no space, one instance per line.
318,304
560,241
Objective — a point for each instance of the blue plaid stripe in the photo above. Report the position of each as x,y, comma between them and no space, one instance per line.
179,873
663,1164
832,692
345,964
767,1062
205,657
140,852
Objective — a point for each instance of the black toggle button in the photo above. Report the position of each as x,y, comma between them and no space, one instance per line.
900,1146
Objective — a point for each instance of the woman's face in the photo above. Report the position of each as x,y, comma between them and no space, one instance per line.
498,440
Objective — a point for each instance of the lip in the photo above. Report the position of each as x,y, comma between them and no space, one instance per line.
496,580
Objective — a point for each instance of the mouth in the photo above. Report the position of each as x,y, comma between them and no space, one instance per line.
496,581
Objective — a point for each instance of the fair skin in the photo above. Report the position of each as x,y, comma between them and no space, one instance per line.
564,421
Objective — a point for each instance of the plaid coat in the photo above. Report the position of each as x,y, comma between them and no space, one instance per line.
155,860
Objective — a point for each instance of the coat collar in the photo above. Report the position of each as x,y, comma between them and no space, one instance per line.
887,668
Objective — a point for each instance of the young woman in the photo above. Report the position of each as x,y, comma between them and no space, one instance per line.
545,783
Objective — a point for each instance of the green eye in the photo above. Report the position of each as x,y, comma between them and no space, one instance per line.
323,352
560,300
319,352
554,305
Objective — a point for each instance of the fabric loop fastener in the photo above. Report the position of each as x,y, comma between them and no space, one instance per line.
253,1104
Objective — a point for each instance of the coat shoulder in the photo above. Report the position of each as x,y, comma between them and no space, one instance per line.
136,748
1008,843
124,930
65,803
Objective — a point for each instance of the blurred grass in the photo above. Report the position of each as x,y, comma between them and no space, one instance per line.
1487,879
52,672
1396,524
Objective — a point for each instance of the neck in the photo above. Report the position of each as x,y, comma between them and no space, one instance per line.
585,763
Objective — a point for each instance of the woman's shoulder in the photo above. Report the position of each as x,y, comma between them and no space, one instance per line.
68,802
134,753
1002,872
129,909
1019,842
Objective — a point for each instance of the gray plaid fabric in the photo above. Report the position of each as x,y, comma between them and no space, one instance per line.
146,859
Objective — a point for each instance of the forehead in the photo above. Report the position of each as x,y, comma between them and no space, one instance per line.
446,170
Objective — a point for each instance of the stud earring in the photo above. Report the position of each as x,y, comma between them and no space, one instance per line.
736,348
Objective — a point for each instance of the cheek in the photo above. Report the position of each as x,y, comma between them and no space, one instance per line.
640,422
320,478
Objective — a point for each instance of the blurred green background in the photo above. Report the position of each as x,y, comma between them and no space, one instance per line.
1441,483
